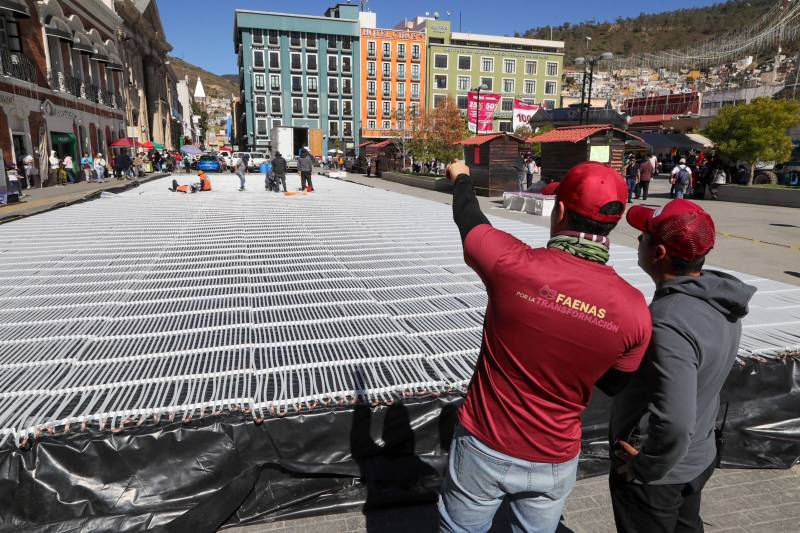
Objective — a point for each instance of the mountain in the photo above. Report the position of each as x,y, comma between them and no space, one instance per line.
215,86
657,31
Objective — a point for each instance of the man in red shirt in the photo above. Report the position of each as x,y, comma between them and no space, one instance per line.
558,321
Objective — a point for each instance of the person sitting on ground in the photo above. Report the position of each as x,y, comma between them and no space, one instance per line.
205,181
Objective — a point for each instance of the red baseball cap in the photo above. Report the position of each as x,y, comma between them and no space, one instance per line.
588,187
550,188
682,226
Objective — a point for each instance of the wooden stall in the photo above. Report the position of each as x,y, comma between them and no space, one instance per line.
494,162
563,148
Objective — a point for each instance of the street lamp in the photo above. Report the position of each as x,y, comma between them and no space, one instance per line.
591,61
479,88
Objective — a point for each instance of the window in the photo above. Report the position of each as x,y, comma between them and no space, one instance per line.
401,51
371,124
371,68
333,63
549,104
347,128
438,100
259,82
371,108
415,90
261,104
297,106
401,90
258,36
275,104
401,71
462,101
346,43
487,64
371,48
387,108
275,60
258,58
276,122
333,85
273,39
297,84
531,67
333,42
505,126
313,106
311,84
347,86
440,60
509,66
508,85
415,72
387,89
311,40
261,126
550,87
464,83
552,68
333,108
387,125
347,108
414,110
296,61
333,129
387,70
507,104
294,40
371,88
311,62
275,82
415,51
387,50
530,86
346,63
464,62
440,81
488,82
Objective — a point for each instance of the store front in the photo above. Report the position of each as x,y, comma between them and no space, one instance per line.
65,144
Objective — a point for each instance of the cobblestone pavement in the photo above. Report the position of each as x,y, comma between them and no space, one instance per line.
734,501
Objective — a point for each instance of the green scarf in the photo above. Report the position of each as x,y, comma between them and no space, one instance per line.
596,252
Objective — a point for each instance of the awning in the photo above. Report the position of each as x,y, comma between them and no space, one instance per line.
667,141
18,7
82,43
57,28
100,58
702,139
62,138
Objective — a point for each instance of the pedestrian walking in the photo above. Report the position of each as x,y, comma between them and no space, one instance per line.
519,432
14,186
246,160
100,168
241,171
662,424
646,172
279,169
305,165
87,164
631,176
30,171
681,178
55,164
69,166
532,169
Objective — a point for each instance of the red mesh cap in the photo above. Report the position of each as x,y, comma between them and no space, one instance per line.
682,226
588,187
550,189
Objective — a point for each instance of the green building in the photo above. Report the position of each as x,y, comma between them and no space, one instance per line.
526,69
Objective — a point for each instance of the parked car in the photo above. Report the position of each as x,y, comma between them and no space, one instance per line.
209,163
225,155
789,173
256,160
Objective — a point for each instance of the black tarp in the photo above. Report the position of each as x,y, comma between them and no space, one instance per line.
665,142
227,470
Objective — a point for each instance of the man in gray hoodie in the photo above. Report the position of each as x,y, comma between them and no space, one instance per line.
662,424
305,165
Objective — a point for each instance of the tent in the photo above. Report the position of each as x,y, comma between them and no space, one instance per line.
665,142
126,143
191,149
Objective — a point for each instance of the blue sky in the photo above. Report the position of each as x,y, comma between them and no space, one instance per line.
201,31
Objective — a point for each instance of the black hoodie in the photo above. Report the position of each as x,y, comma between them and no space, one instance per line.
669,410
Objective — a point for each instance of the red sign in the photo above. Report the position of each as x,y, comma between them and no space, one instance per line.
488,103
523,113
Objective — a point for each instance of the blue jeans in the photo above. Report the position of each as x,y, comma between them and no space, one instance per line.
631,187
680,190
479,479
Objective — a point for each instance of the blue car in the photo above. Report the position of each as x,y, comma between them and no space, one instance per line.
208,163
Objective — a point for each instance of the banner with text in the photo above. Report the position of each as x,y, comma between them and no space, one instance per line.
489,103
523,113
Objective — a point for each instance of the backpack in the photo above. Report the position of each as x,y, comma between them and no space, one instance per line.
684,175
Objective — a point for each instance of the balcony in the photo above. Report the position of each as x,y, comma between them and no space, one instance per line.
415,77
387,76
401,56
387,94
57,81
386,113
371,54
371,75
415,97
17,65
371,113
416,58
387,55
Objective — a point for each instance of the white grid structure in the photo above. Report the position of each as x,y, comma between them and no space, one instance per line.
151,305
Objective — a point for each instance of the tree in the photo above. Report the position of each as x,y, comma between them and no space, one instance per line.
436,132
523,131
536,148
755,131
401,136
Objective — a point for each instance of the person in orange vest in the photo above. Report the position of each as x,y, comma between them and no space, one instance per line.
205,181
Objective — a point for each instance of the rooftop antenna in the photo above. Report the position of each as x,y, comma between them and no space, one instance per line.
436,15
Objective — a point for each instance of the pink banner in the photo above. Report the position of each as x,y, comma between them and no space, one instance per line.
489,103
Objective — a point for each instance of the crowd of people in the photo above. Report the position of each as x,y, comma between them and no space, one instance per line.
691,175
560,321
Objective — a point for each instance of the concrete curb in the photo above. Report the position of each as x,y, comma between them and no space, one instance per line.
757,195
430,183
92,195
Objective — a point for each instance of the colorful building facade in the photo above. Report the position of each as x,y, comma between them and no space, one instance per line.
393,79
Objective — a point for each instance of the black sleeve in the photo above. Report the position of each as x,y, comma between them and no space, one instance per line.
466,210
614,381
